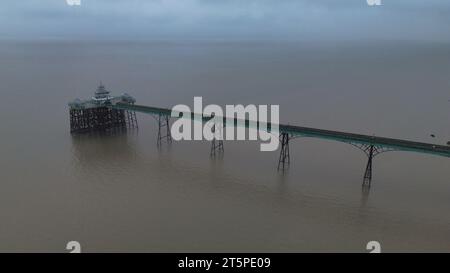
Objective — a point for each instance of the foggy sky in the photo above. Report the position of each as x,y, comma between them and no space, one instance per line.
421,20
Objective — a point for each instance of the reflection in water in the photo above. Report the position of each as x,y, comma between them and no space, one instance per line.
282,181
100,152
217,161
97,145
365,191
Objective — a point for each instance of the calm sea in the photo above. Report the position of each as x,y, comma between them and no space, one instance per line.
120,193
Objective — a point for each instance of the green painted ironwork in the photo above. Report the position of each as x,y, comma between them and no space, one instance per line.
351,138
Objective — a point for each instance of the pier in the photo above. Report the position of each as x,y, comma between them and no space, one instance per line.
104,112
96,114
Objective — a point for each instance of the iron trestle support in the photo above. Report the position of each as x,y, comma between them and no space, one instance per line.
131,119
163,130
216,144
367,180
96,119
284,159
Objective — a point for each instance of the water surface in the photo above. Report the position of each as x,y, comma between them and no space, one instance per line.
120,193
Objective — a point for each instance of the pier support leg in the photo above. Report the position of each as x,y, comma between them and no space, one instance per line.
285,158
163,130
216,145
368,173
102,119
131,119
134,118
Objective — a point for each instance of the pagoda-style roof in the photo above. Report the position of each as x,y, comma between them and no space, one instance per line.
101,98
101,92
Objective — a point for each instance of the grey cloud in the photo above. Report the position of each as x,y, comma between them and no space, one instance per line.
252,19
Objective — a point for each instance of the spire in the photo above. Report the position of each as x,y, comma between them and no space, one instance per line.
101,91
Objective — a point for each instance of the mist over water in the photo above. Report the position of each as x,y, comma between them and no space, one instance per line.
120,193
